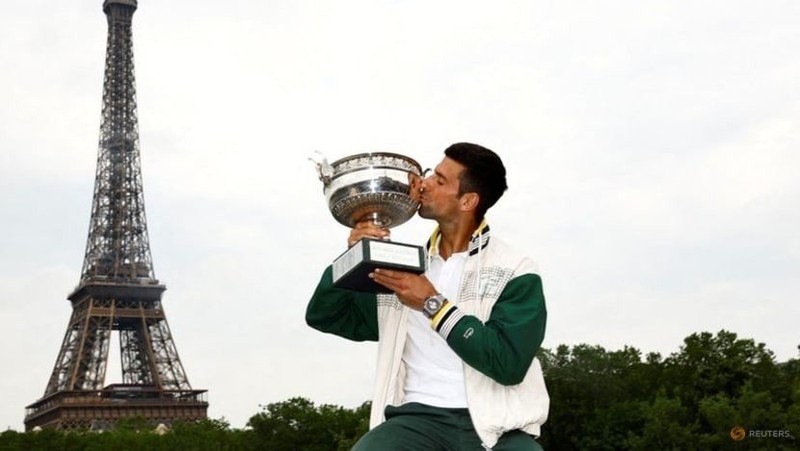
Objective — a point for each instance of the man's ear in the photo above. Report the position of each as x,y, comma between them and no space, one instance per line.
469,201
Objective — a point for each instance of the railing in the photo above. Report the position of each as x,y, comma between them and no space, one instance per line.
115,394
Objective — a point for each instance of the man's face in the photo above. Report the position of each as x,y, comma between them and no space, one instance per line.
439,197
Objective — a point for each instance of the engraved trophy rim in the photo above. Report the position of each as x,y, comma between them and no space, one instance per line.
386,154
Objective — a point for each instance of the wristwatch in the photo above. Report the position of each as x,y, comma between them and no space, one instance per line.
432,305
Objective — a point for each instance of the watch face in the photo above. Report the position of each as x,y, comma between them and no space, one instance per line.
432,304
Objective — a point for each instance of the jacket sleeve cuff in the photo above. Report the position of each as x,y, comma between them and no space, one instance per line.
446,318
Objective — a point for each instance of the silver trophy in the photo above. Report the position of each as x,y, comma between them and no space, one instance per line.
372,187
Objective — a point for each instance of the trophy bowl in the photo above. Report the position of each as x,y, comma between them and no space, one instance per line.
371,186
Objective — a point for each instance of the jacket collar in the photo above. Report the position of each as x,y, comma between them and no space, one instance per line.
478,241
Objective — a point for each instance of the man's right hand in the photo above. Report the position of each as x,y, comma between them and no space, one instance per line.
366,229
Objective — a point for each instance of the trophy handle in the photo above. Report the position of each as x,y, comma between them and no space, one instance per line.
324,169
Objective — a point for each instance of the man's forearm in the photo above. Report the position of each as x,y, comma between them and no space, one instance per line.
349,314
504,346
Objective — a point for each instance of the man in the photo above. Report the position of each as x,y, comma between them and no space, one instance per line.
456,367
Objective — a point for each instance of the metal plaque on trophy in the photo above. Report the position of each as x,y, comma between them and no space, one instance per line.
372,187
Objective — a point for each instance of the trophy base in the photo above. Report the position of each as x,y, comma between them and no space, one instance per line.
351,269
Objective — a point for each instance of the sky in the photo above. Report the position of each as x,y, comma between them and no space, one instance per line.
651,147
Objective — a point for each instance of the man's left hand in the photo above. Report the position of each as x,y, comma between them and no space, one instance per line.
411,289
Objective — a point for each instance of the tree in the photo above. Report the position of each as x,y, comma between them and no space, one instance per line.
708,365
296,425
594,396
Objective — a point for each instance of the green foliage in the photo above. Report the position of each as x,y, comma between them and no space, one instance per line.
614,400
600,400
297,425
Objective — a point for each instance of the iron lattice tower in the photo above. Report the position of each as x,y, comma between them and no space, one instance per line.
118,290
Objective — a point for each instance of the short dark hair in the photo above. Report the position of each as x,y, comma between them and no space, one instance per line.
483,173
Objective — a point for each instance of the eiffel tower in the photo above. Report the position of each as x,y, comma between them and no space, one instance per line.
118,290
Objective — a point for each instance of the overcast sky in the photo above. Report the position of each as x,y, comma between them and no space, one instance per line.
652,152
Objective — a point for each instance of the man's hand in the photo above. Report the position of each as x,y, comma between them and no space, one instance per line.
366,229
411,289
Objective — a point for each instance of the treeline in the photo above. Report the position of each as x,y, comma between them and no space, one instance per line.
716,392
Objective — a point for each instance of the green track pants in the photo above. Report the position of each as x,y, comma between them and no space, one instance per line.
419,427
